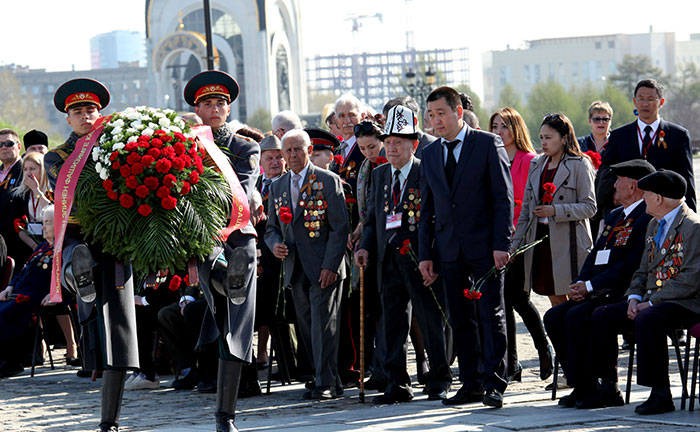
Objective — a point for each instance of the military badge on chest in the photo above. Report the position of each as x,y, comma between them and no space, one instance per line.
314,205
672,260
348,171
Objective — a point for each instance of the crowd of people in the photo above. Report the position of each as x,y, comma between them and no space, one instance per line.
444,230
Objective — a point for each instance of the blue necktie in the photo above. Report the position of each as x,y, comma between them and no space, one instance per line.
658,238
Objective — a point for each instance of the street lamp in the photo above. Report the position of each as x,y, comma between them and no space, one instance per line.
419,86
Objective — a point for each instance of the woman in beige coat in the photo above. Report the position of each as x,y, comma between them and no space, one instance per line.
551,266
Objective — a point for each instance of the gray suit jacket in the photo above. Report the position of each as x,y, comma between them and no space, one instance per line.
326,249
671,274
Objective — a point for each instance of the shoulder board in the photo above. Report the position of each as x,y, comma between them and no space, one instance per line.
243,137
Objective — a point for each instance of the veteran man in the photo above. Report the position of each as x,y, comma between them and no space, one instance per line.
391,226
605,275
663,296
311,241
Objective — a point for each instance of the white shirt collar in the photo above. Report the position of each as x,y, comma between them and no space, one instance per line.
630,208
654,126
460,136
302,173
405,170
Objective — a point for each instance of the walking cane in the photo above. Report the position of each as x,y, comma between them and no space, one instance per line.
362,334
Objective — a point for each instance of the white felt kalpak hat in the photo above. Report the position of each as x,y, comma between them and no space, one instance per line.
400,122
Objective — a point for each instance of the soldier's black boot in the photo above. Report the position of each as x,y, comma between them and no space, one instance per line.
228,276
112,391
227,394
81,271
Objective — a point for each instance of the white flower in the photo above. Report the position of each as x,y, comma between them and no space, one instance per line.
148,130
137,125
118,146
132,138
98,167
116,131
131,131
118,123
152,126
103,174
95,154
175,129
178,122
164,121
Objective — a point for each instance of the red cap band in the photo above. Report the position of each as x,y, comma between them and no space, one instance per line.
82,97
212,89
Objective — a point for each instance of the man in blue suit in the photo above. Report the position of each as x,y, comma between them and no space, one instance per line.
464,230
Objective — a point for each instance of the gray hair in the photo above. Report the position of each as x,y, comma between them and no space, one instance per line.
348,98
46,210
297,133
286,120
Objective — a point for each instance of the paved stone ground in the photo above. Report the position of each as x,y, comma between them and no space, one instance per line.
58,401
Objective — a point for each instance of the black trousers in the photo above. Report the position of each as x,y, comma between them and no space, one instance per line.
478,326
651,328
570,328
403,294
517,299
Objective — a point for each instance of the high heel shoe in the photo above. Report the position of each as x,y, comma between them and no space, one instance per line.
517,374
546,363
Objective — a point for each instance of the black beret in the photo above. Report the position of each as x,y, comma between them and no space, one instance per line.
322,139
209,84
634,169
34,137
81,91
666,183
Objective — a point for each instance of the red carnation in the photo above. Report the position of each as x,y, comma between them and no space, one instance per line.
133,158
518,203
198,164
166,138
476,295
144,138
144,210
185,188
151,182
168,202
194,177
169,180
175,283
547,198
116,165
186,280
21,298
163,165
595,158
407,243
114,156
178,164
125,171
142,191
113,195
137,168
131,182
169,152
350,201
162,192
338,159
179,136
107,184
19,225
154,153
147,160
285,215
159,132
155,142
179,148
549,187
131,146
126,200
143,144
403,250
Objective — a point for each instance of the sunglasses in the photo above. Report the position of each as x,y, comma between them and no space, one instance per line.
365,126
551,117
600,119
7,143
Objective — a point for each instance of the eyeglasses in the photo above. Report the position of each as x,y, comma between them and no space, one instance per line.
365,126
600,119
649,100
551,117
7,143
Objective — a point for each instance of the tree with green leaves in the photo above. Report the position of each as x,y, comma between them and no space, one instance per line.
18,109
682,104
509,98
550,97
261,119
632,69
476,101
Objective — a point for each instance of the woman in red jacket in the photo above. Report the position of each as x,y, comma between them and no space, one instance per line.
510,126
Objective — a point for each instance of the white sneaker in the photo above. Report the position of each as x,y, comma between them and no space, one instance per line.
131,377
141,383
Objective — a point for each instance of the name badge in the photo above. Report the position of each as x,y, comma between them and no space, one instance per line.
34,228
393,221
602,257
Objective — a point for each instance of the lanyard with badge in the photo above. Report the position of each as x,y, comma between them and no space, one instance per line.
651,141
393,220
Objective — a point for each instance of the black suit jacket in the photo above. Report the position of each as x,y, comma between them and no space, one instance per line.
379,205
626,244
475,216
623,145
7,229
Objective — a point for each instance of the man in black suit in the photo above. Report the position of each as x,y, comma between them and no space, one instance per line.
605,275
663,144
465,228
393,212
10,178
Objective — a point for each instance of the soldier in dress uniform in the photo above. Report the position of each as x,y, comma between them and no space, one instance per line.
228,275
663,296
105,308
